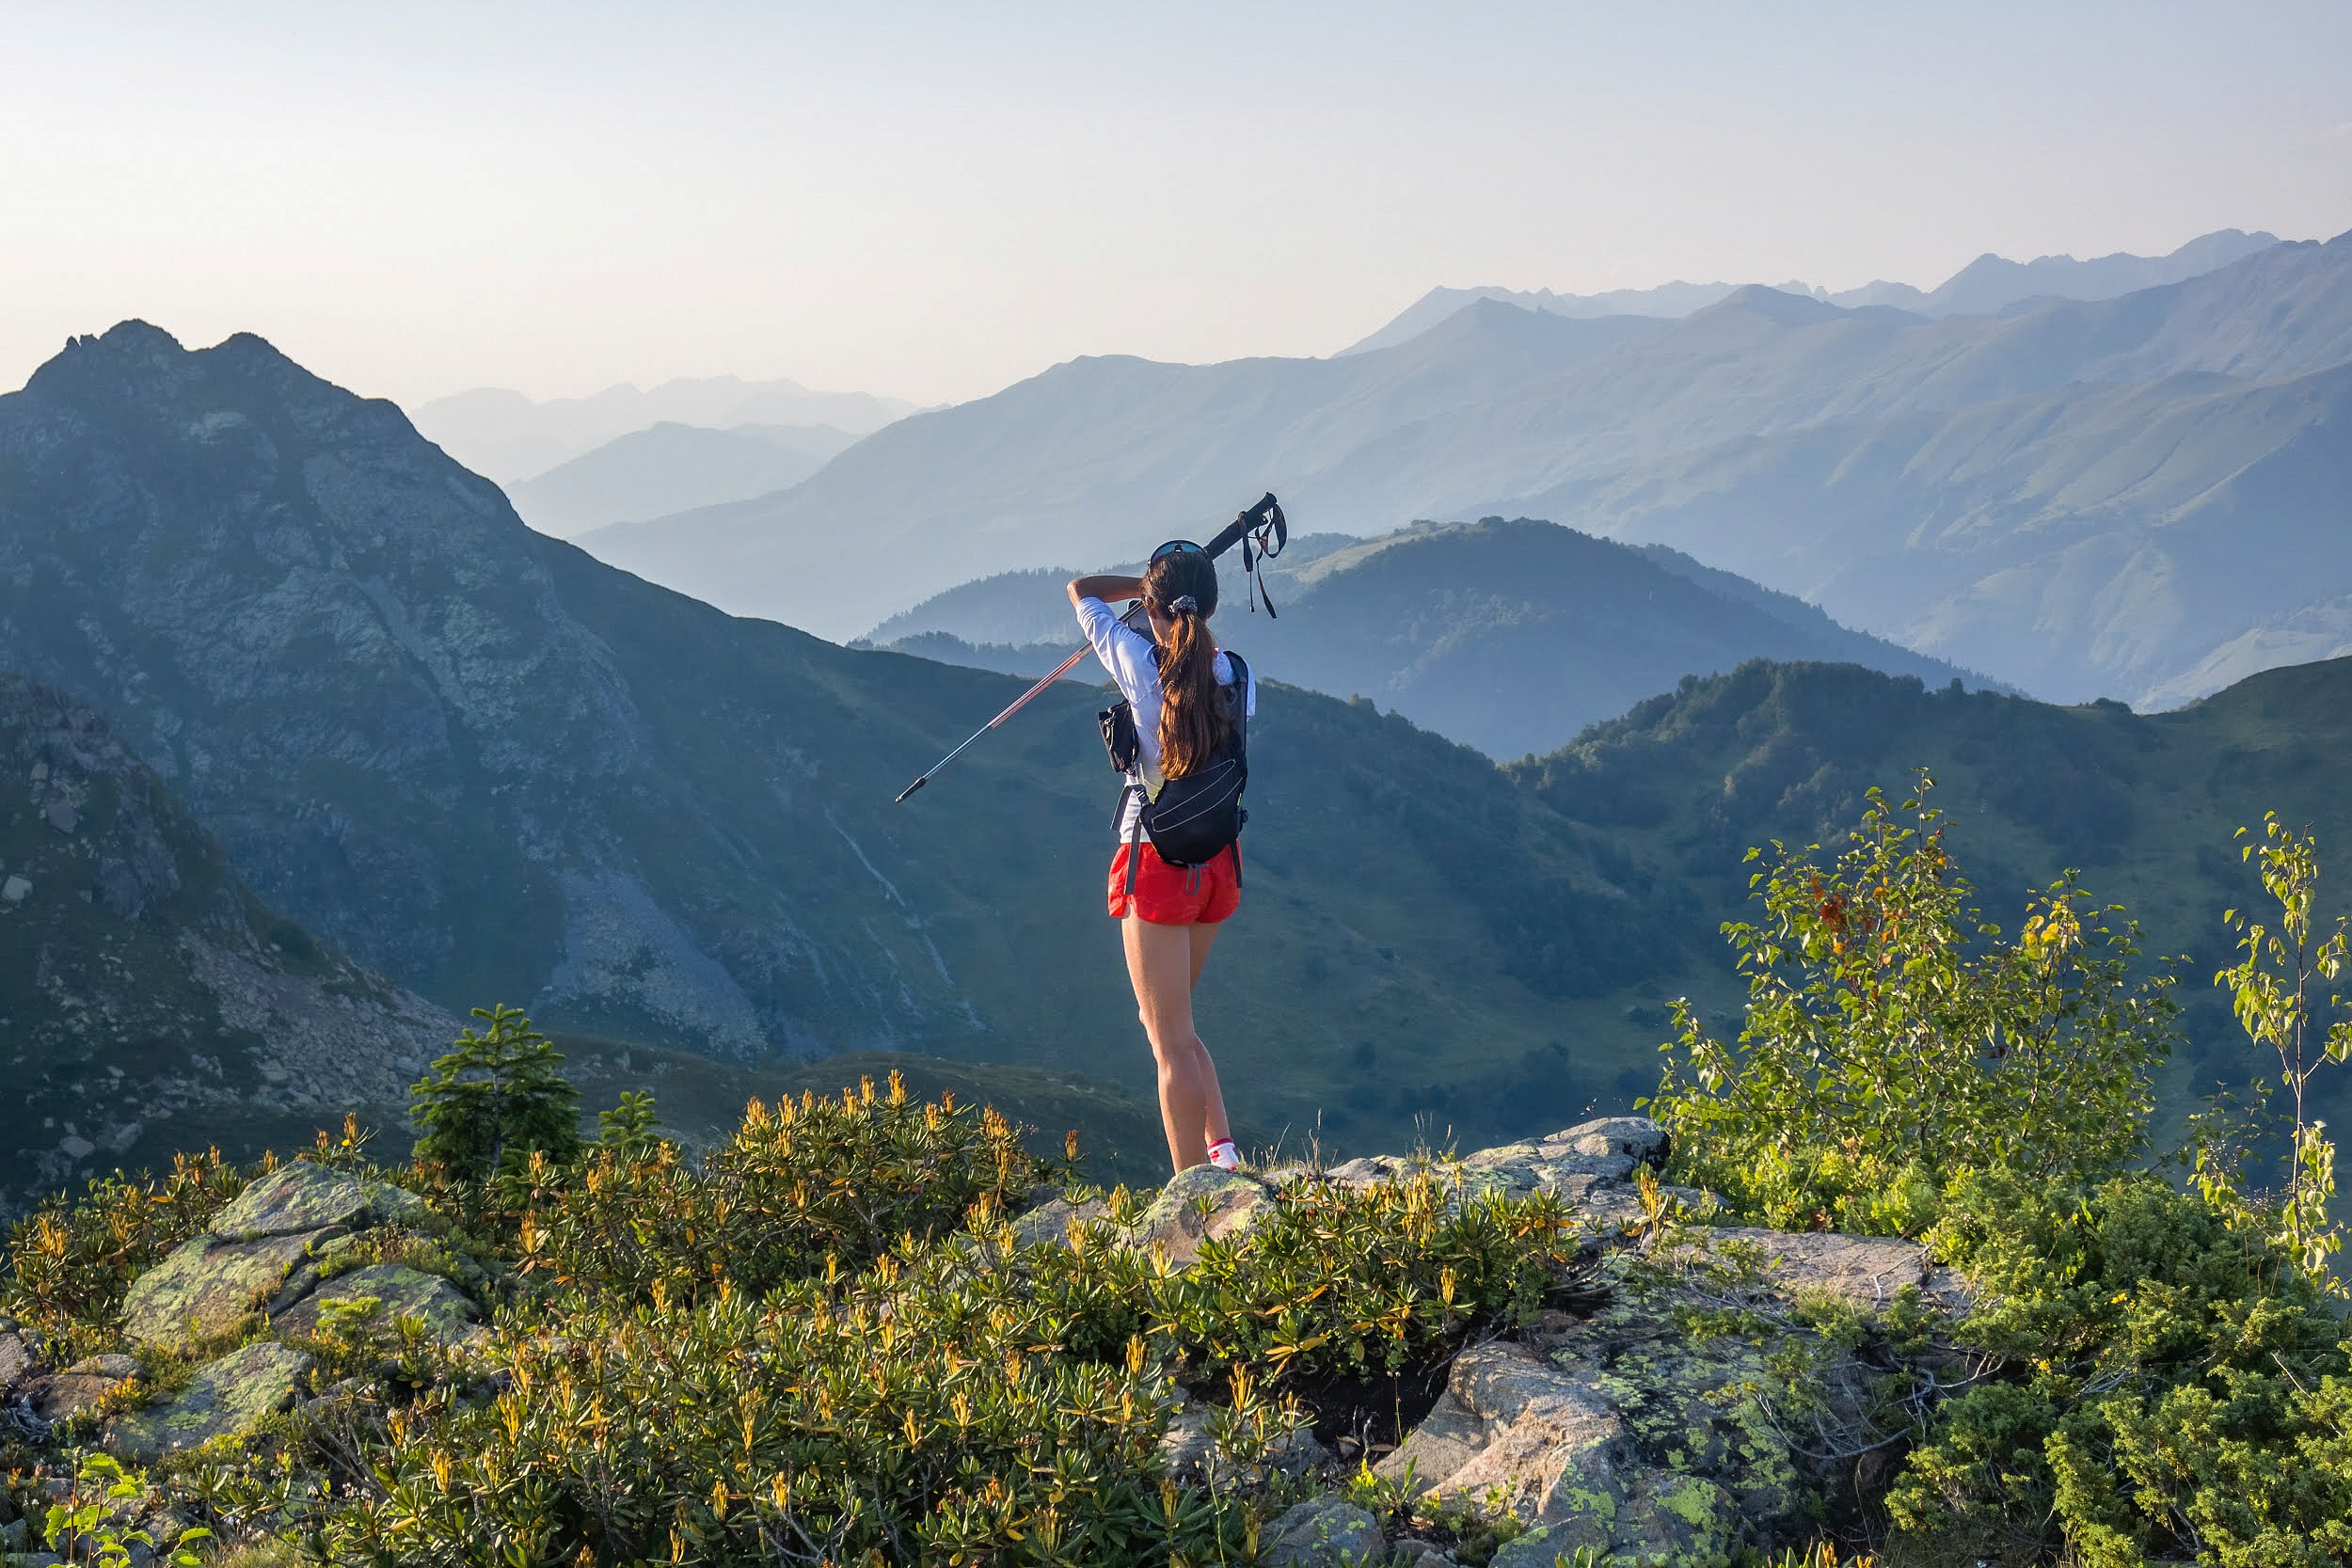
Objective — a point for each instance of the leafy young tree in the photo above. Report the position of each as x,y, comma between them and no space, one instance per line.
627,1128
1894,1037
494,1100
2272,989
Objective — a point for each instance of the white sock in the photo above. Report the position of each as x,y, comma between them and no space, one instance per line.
1224,1156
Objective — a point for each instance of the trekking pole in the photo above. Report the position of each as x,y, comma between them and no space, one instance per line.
1265,514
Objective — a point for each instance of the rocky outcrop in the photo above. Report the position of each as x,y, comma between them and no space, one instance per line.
210,1286
1197,1205
1625,1432
227,1398
273,1268
265,1252
396,1292
139,979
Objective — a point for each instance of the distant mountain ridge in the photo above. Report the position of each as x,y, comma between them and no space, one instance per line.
1988,284
1512,637
668,466
2027,495
494,769
509,437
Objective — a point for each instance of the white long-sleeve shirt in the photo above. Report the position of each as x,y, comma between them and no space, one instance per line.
1126,654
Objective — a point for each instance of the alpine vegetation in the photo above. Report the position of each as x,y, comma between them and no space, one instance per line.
1907,1267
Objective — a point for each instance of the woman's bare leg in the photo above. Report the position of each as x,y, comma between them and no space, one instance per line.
1217,1127
1160,966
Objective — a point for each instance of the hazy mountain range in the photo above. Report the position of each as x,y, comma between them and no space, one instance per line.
647,472
490,767
1988,284
2135,497
509,437
1510,637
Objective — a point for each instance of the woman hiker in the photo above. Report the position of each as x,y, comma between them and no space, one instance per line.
1187,726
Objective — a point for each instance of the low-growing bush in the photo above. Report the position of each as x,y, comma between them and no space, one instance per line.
959,1399
70,1262
1894,1039
810,1181
2163,1384
918,1415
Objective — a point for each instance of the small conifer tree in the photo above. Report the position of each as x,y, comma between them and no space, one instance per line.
494,1100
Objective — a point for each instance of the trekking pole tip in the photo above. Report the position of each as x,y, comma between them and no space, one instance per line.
913,787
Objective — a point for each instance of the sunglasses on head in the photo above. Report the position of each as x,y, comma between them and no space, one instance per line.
1177,546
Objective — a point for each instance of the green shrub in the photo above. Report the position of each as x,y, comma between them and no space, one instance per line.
768,1356
87,1526
916,1415
814,1181
72,1261
2272,989
1894,1039
2159,1382
1356,1281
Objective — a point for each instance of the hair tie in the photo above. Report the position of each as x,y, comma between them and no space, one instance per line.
1184,604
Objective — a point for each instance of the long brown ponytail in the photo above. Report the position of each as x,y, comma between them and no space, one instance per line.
1195,724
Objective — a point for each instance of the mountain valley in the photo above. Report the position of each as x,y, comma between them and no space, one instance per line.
1510,637
2031,494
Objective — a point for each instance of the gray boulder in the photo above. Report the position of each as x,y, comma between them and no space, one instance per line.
1322,1532
1197,1205
401,1291
61,1396
227,1398
1052,1219
301,1195
1545,1443
208,1286
1864,1272
1558,1446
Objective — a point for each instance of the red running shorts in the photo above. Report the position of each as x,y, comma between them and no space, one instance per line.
1174,894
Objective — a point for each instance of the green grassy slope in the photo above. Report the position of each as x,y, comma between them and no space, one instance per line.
2145,805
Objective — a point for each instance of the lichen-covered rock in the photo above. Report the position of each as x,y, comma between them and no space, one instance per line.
447,1317
1051,1220
208,1286
1322,1532
1864,1272
1666,1521
305,1196
1690,1406
1573,1164
1199,1204
16,1360
227,1398
1517,1431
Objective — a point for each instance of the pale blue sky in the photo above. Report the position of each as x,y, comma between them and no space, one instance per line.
935,200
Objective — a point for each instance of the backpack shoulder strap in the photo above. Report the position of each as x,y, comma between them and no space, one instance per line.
1241,700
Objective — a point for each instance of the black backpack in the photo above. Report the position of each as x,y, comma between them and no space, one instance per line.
1200,816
